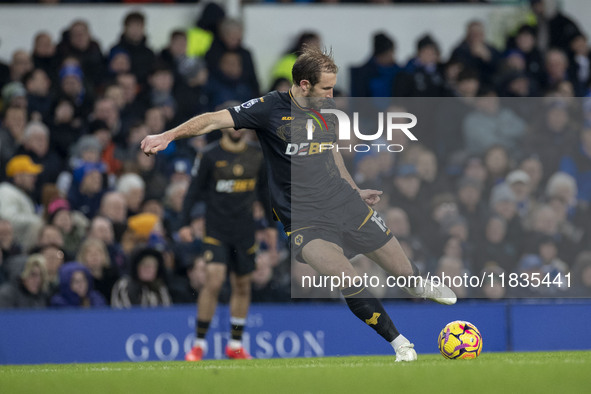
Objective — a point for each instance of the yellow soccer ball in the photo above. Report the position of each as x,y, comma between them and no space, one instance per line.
460,339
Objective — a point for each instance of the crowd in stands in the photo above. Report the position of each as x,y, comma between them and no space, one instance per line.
87,220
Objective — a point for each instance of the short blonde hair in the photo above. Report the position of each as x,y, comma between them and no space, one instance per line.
36,261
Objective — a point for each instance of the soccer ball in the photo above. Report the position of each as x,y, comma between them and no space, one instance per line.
460,339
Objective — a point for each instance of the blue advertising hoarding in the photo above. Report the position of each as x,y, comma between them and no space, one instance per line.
276,330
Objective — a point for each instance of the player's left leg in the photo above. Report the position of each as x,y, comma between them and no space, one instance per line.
328,259
239,304
242,264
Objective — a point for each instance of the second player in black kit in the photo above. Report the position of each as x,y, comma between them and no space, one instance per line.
229,181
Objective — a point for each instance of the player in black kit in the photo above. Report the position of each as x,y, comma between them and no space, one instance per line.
230,178
327,217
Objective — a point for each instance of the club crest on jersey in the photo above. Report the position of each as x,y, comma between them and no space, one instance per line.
298,239
237,170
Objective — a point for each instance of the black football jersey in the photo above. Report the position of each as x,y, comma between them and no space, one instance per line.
229,182
304,180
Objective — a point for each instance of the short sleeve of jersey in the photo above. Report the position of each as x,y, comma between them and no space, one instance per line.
252,114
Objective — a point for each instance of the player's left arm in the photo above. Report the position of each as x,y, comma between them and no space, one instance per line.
370,196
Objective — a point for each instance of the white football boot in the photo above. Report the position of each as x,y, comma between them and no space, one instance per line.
439,293
406,352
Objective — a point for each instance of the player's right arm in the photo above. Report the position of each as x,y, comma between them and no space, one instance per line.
198,125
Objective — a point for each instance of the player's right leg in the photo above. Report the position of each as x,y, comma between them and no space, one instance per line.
206,306
328,259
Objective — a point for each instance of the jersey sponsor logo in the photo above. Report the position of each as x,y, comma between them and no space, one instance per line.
307,148
287,118
235,185
221,163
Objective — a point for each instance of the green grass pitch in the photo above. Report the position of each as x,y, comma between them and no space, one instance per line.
536,372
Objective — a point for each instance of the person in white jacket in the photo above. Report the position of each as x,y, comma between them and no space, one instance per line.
16,204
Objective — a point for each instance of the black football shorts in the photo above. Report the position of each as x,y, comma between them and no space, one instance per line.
355,227
239,255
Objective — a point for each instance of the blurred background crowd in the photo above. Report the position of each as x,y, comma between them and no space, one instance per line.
501,183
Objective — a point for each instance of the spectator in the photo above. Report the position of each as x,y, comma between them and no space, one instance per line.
580,62
14,94
39,100
504,203
11,133
405,193
29,289
65,126
556,72
9,246
77,42
133,41
106,109
494,246
35,144
422,76
520,184
191,70
491,124
476,53
44,56
50,235
114,207
553,29
375,77
88,187
94,256
101,228
555,137
76,288
282,69
140,228
174,197
170,94
17,205
21,63
133,108
581,273
133,189
577,163
525,43
469,196
228,82
533,167
146,285
72,85
229,39
54,259
497,162
71,224
118,63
